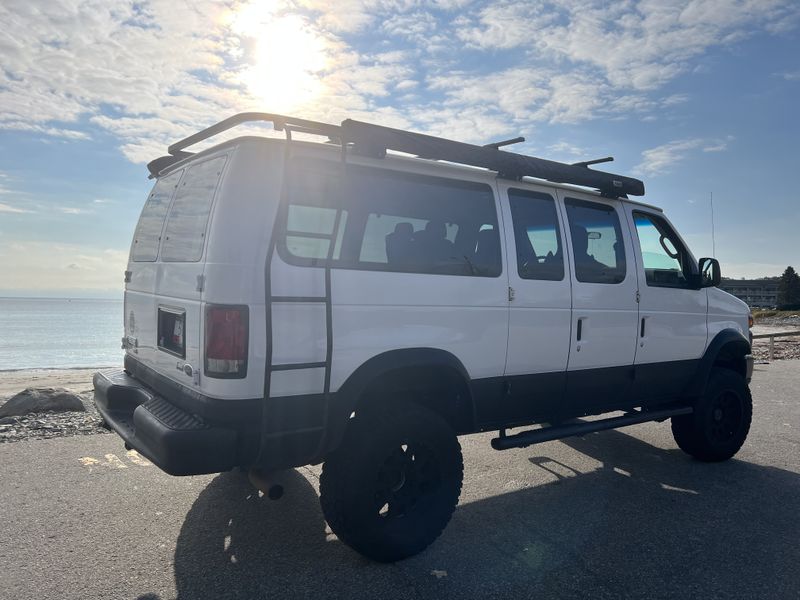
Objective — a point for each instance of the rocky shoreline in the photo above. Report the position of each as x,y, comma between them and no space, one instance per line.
46,425
42,426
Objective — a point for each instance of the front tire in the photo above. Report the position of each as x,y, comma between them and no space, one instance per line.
719,425
391,487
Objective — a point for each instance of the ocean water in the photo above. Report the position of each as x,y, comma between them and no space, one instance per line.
48,333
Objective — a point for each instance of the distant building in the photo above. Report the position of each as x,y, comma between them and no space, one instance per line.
759,293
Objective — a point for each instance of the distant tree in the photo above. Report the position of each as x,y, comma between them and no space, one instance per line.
789,288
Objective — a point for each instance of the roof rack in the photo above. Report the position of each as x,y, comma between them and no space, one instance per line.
279,123
371,140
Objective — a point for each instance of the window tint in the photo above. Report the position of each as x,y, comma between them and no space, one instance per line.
536,234
666,261
185,234
392,221
148,231
597,245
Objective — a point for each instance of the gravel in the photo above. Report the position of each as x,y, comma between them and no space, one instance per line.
784,347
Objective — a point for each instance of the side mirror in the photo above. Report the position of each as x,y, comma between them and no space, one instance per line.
710,274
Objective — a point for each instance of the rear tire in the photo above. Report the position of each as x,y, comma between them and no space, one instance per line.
391,487
718,427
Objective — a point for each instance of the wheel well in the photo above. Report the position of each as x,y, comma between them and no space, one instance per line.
439,388
731,356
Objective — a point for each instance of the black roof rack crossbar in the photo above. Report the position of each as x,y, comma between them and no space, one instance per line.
596,161
496,145
279,122
375,140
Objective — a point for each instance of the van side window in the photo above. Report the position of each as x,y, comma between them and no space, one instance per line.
310,229
309,224
392,221
148,230
598,248
536,235
185,234
666,261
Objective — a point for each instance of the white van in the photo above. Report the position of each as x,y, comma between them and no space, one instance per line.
292,302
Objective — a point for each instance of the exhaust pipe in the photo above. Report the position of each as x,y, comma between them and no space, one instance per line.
266,483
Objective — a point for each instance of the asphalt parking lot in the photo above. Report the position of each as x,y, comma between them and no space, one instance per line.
611,515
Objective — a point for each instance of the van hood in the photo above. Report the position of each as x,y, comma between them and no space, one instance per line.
727,307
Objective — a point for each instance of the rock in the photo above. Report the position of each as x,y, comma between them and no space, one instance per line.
8,420
35,400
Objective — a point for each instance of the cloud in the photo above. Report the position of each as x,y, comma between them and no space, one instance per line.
152,72
61,132
717,147
73,210
566,149
505,25
632,45
29,265
659,160
7,208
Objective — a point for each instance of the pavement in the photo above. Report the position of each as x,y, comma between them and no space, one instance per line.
617,514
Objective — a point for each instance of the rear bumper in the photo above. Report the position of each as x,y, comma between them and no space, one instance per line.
175,440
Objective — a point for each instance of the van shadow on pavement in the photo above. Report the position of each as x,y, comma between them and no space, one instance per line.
648,523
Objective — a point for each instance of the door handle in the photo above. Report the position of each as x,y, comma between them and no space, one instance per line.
580,328
641,330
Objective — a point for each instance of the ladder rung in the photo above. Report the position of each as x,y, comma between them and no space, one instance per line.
299,299
297,366
310,234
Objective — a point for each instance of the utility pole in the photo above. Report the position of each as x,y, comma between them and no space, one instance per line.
713,241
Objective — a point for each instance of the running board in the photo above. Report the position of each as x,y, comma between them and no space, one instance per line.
546,434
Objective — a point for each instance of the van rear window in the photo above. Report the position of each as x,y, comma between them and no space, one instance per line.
184,236
148,231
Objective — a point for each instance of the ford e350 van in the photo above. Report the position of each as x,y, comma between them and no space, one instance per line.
363,300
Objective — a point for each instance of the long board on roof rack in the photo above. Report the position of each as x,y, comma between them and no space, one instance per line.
375,140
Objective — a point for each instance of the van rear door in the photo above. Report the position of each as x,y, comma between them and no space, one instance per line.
179,279
143,268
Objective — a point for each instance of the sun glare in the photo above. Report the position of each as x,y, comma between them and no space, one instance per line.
286,58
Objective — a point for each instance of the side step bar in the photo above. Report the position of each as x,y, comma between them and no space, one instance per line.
546,434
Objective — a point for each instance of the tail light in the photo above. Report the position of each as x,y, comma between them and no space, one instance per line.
226,342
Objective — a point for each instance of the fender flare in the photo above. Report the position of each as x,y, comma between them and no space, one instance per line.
729,340
344,401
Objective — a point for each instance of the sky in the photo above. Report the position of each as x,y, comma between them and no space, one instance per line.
695,97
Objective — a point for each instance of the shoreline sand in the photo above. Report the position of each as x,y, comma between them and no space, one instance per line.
75,380
50,424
